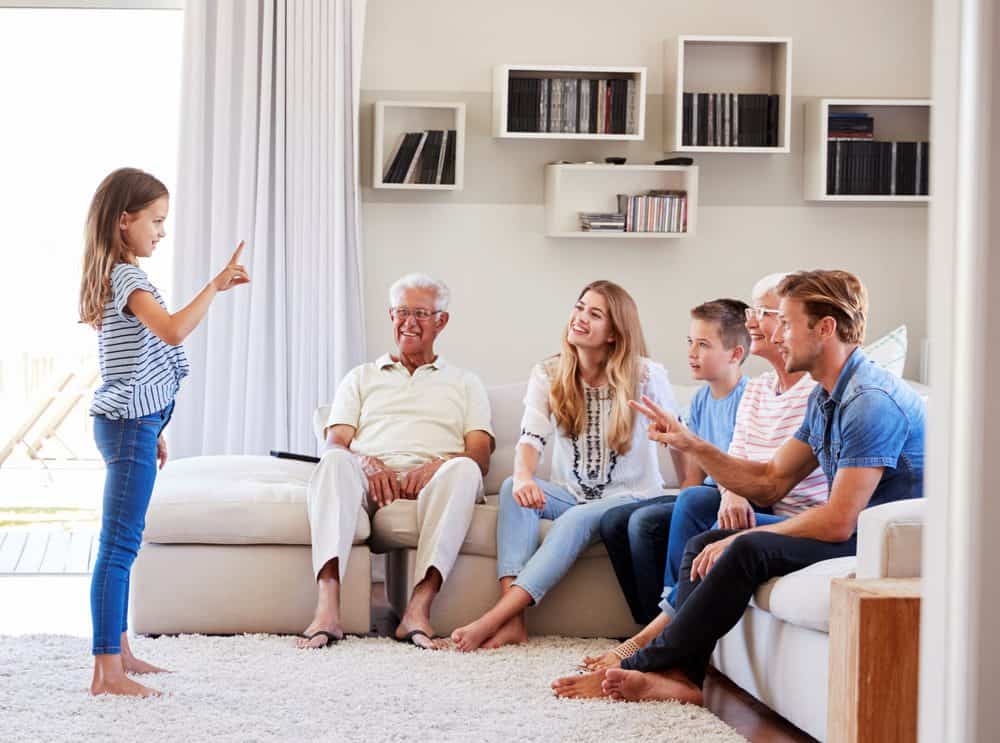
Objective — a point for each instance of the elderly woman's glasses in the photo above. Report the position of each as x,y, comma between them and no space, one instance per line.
402,313
758,313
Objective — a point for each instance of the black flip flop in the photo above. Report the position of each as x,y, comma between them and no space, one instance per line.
408,639
331,639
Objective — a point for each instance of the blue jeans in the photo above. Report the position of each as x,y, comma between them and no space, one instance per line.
128,447
635,536
696,510
538,568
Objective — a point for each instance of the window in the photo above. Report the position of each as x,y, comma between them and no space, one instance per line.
84,91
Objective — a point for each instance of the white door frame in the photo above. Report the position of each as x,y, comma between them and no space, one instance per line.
960,639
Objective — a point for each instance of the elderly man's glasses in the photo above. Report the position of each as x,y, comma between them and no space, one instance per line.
402,313
758,313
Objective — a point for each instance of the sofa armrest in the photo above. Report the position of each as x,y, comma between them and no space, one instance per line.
889,538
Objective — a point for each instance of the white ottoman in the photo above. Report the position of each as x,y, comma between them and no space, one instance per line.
226,551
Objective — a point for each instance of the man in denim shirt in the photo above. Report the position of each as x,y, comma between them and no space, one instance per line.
863,426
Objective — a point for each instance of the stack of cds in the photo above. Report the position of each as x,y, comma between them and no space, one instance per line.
595,222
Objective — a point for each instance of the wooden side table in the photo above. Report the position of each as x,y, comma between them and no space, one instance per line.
874,660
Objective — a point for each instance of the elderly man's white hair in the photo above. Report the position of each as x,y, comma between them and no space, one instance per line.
442,294
768,284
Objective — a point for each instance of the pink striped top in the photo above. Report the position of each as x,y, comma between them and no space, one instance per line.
764,421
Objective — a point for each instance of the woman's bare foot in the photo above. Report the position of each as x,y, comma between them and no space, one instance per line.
585,686
319,624
513,632
636,686
424,638
473,635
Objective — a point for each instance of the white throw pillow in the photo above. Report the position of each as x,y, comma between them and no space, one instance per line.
889,351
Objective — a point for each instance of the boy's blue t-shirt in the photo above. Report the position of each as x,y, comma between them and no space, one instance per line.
714,420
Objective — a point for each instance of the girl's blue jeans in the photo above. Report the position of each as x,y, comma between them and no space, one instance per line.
128,447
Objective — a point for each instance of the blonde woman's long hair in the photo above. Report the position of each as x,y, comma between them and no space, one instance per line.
125,190
623,368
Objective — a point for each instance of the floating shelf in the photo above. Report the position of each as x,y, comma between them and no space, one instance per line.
896,119
502,75
571,188
726,64
394,118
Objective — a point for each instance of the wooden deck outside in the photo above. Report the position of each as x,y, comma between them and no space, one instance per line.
48,551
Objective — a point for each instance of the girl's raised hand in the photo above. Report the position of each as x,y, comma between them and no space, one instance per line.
233,274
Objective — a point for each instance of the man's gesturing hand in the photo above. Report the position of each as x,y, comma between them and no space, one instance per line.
663,426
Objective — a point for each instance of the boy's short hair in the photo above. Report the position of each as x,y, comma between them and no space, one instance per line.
730,315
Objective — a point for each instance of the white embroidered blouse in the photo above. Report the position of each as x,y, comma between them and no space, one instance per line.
585,465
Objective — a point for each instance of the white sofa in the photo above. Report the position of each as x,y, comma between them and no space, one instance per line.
227,550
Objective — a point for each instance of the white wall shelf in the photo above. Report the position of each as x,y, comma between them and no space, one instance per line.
393,119
502,75
726,64
896,120
571,188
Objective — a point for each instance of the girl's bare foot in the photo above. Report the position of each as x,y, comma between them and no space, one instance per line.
636,686
110,678
513,632
131,664
585,686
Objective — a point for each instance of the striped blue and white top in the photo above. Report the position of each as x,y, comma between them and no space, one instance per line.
140,373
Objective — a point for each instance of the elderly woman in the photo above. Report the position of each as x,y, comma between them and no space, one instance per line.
772,409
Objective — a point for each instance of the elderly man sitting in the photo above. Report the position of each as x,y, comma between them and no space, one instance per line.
407,426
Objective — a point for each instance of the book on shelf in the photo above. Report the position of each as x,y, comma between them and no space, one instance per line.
566,105
423,158
864,167
730,119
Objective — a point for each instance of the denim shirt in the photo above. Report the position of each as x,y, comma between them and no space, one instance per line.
871,419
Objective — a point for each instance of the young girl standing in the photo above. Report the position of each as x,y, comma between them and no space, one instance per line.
142,365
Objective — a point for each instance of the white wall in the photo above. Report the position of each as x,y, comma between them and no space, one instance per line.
513,287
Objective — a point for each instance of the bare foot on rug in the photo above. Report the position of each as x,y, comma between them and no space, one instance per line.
635,686
585,686
319,624
601,662
120,685
513,632
131,664
473,635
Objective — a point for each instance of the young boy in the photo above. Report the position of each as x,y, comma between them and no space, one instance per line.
636,535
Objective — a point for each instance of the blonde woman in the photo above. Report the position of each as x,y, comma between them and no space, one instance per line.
601,457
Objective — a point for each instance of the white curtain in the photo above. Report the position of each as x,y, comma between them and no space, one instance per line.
269,154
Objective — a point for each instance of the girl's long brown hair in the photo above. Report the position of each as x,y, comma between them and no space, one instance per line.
624,370
125,190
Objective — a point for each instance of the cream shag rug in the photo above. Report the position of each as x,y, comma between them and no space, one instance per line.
260,688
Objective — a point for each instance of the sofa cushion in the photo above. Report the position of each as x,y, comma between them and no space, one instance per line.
395,527
234,500
802,598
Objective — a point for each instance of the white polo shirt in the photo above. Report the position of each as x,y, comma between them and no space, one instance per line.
407,420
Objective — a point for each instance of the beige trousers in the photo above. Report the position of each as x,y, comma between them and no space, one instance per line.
338,491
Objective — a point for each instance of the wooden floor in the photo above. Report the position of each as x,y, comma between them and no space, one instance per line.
49,551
